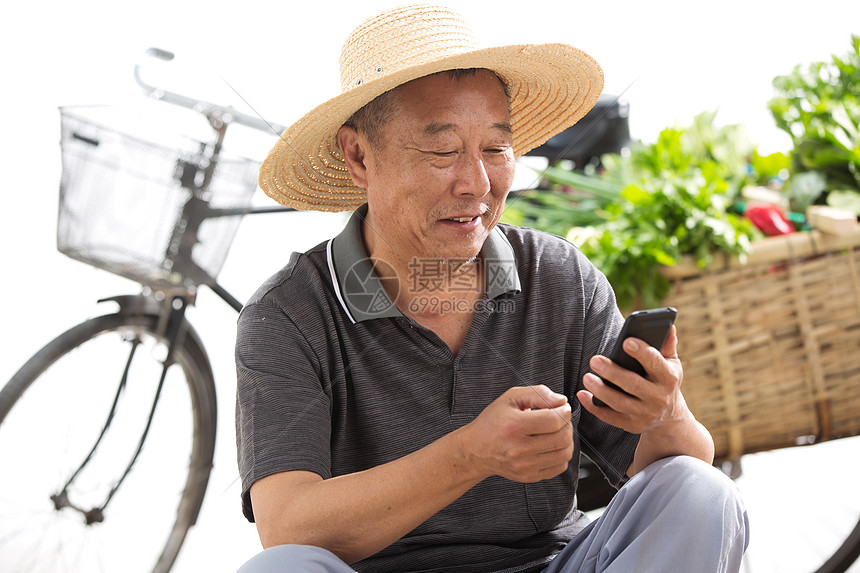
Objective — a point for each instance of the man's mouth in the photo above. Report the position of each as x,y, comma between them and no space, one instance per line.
463,219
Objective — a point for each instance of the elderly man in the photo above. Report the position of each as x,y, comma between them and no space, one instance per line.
415,394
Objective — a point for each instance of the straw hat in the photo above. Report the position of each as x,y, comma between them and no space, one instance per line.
551,87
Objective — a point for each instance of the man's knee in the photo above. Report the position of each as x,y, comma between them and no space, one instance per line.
282,558
696,490
691,478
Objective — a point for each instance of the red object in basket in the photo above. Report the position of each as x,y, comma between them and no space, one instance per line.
769,219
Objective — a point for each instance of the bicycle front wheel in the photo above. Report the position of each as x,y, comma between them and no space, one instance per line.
71,420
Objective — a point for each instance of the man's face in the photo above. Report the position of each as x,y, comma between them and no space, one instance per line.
443,165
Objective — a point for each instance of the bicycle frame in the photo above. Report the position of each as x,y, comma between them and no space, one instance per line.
197,208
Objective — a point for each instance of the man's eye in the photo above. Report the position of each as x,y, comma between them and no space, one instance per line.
444,153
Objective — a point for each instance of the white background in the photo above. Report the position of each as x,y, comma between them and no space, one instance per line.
671,60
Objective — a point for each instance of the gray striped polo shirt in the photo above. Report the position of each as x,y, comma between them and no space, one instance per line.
334,379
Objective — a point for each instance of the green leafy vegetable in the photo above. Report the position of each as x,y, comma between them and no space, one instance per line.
575,200
652,207
819,107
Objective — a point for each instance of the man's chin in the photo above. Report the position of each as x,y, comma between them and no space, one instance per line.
461,255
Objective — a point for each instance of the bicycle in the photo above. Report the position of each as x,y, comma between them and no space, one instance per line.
191,198
149,339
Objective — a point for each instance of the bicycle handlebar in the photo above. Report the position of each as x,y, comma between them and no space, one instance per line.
224,114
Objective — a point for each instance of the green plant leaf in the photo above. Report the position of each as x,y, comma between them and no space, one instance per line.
818,105
846,199
804,189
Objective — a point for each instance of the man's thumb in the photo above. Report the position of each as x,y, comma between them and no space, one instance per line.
541,396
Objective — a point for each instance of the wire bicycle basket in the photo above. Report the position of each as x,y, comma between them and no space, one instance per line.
160,210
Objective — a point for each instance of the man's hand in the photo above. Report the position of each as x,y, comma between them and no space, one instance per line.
654,400
656,409
525,435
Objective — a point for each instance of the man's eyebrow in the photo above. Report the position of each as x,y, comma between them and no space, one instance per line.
437,127
505,127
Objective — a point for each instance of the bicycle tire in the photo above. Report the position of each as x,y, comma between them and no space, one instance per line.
846,555
36,378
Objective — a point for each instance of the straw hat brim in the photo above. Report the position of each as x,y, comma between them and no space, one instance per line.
551,86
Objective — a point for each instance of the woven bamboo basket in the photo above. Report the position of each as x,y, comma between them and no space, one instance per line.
771,348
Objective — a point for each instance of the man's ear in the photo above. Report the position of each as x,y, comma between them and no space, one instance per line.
352,145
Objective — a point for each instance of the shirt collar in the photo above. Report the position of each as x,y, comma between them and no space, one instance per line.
359,289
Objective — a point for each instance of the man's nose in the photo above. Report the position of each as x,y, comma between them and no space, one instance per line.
473,178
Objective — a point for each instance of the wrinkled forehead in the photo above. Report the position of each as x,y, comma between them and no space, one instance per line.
459,74
444,92
442,105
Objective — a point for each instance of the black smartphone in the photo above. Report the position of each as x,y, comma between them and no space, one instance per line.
651,326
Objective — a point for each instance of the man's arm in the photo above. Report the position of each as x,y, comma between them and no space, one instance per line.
525,435
657,410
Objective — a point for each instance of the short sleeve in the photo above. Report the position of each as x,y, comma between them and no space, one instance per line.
283,409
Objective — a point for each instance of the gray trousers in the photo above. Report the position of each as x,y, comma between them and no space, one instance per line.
678,514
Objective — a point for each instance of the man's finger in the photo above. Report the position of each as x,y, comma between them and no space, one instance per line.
651,359
537,397
670,347
548,420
